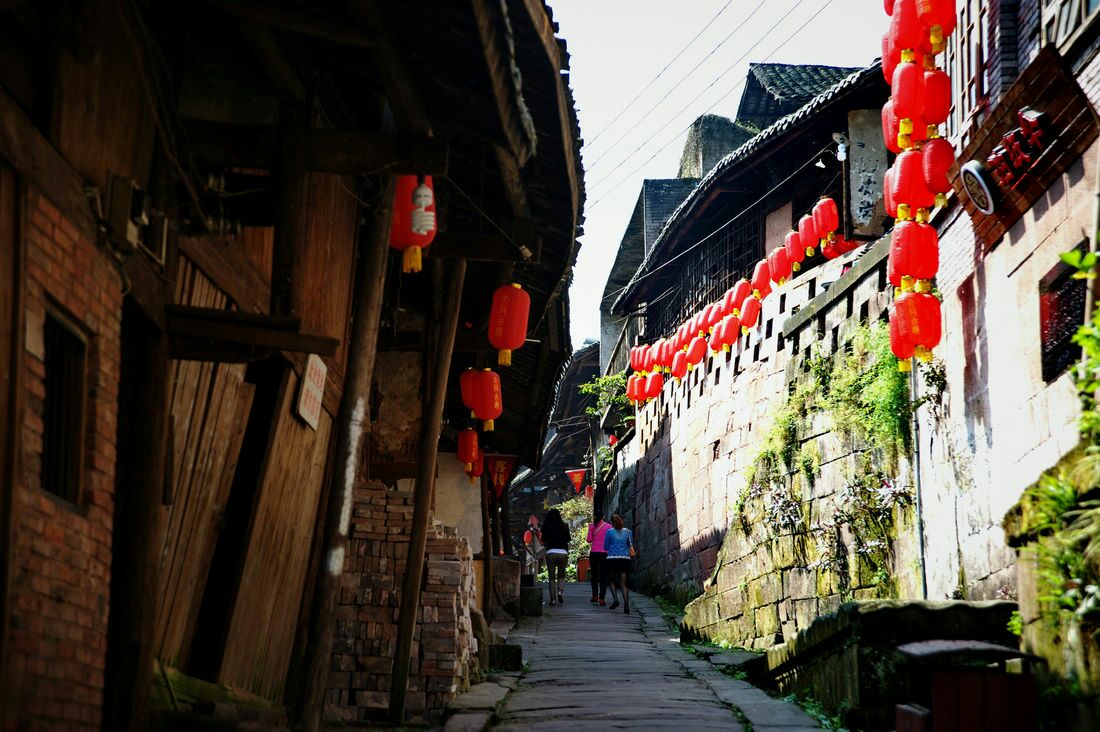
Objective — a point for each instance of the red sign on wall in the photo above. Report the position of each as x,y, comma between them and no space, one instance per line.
500,469
576,477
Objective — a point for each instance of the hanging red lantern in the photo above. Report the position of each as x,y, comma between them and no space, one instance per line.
888,193
900,346
795,251
907,93
843,246
696,351
679,365
807,234
910,193
508,321
937,157
906,31
727,302
633,358
653,385
741,292
890,127
467,448
919,321
681,337
750,314
633,391
488,403
412,221
467,384
779,267
718,336
914,255
939,18
761,280
826,217
711,315
889,5
828,251
937,97
731,332
890,57
478,467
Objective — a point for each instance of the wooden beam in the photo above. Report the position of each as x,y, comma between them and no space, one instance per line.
486,588
278,67
327,151
514,188
290,203
498,49
147,287
210,334
302,23
431,422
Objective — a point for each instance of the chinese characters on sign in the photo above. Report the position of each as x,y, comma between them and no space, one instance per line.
311,391
500,469
576,477
1019,148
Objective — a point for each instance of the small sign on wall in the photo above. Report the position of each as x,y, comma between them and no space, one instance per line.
311,390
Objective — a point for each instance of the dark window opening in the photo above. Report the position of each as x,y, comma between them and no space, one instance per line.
864,311
1061,311
717,376
768,329
811,289
714,448
64,408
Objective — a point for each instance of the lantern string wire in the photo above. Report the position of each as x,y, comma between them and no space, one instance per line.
484,215
742,212
665,126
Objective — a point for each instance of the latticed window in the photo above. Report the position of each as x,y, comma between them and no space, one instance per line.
1062,18
965,61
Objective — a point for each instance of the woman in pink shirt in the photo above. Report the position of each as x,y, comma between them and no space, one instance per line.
596,556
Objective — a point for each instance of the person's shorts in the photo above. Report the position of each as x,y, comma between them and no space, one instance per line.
617,566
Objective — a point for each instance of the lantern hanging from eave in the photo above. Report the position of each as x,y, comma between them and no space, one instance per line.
900,346
826,217
711,315
632,387
906,32
717,336
478,467
890,57
467,384
828,251
670,351
741,292
937,157
508,321
659,354
696,351
919,322
914,256
889,5
731,331
727,302
910,193
761,280
937,97
653,385
779,266
681,337
795,251
467,448
643,358
650,363
907,93
890,127
412,221
843,246
489,403
888,193
698,327
750,314
807,234
939,18
634,358
679,365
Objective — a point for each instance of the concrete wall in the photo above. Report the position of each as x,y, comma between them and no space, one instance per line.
457,500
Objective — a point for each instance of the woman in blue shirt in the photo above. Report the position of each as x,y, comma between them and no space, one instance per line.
619,545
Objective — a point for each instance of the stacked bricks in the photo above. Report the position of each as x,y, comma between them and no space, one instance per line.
366,621
62,560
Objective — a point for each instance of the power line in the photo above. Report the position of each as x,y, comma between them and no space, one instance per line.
677,135
652,81
712,83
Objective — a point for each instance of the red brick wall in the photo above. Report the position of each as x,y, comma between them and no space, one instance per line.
62,559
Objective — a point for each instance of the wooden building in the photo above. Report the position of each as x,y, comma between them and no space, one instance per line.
195,288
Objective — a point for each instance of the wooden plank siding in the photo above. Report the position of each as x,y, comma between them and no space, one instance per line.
262,631
209,411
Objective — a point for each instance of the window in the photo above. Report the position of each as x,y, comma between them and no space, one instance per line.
965,61
1062,18
63,411
1061,310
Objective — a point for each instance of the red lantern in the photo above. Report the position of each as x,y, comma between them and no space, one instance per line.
467,384
795,251
888,193
679,365
906,32
843,246
914,254
681,337
890,124
761,280
697,351
412,222
907,93
731,331
718,336
826,217
653,385
808,234
889,5
937,97
779,266
508,321
919,321
939,17
478,467
910,193
741,292
828,251
727,302
467,448
711,315
890,58
900,346
937,157
750,314
488,402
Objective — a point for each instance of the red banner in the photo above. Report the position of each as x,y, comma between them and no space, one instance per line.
500,469
576,477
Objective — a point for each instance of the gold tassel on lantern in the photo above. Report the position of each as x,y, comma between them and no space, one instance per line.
411,260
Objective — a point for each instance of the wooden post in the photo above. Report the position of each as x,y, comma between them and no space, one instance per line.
486,551
430,426
352,422
505,523
494,522
290,203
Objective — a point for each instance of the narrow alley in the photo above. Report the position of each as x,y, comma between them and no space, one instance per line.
589,667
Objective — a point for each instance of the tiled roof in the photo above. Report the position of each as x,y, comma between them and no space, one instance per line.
857,80
775,90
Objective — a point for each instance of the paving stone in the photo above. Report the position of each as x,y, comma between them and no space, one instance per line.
732,658
483,696
467,722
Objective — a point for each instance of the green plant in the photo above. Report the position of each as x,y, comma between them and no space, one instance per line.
1016,623
817,710
610,392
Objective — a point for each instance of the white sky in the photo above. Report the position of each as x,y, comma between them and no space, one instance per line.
618,46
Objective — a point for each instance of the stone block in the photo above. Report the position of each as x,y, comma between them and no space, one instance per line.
767,620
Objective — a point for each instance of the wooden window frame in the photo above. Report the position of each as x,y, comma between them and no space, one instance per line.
75,445
1059,278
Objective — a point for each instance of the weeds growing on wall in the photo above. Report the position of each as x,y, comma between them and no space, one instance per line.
610,392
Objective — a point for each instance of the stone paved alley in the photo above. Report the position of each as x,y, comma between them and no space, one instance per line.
589,667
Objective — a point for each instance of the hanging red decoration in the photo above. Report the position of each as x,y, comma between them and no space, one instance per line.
795,251
653,385
731,331
937,97
679,365
889,5
488,402
807,234
890,57
467,448
900,346
750,314
681,337
914,255
888,193
826,217
741,292
937,157
727,302
478,467
508,321
919,321
910,193
696,351
907,93
779,266
843,246
711,315
939,18
890,124
412,221
906,31
828,251
467,384
717,336
761,280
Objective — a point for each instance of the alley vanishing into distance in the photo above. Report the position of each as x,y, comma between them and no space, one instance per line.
589,667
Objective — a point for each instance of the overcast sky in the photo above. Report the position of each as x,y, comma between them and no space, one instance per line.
618,47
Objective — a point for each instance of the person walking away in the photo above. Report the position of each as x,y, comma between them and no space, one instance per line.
555,536
619,545
596,558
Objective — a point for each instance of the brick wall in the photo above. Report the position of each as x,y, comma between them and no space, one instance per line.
61,565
